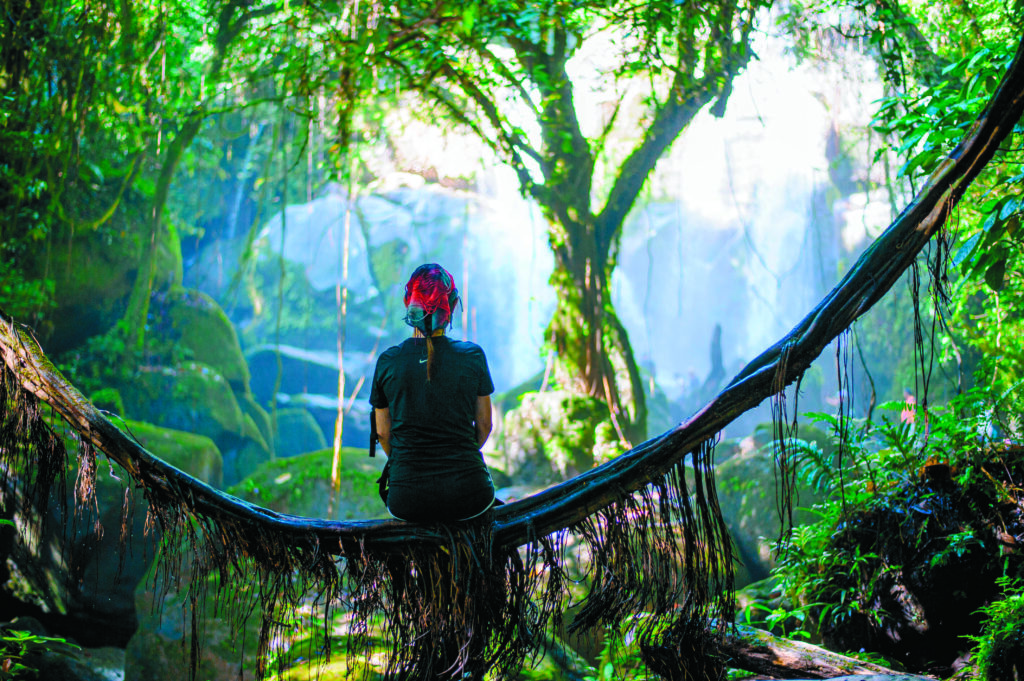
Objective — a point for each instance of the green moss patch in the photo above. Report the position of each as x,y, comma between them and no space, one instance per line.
301,485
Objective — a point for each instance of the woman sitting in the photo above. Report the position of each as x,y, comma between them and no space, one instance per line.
432,407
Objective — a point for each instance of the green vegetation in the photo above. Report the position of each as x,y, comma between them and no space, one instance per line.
121,126
18,648
1000,649
918,522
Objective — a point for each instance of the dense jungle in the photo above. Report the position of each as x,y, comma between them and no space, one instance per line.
748,274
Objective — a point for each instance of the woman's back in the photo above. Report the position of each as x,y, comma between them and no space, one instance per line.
431,405
432,419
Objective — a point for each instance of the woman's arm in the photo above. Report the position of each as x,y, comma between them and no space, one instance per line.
483,419
383,418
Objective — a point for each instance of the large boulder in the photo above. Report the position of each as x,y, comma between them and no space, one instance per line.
301,485
93,278
201,329
196,398
298,432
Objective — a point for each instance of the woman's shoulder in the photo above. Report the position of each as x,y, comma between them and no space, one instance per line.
394,351
466,347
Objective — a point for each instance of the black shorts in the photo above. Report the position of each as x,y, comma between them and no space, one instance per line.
441,497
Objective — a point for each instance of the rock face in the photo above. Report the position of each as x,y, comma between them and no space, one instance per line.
202,385
298,433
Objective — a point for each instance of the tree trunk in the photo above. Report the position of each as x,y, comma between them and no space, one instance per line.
594,356
764,653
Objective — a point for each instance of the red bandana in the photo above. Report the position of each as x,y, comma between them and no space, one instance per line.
430,296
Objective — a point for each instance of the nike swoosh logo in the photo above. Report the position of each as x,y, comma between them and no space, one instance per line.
423,361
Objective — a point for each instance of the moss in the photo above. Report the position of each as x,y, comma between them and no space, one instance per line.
194,454
204,331
1000,650
301,485
191,396
260,418
108,399
556,434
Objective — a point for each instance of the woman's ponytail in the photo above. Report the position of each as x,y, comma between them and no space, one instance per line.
430,348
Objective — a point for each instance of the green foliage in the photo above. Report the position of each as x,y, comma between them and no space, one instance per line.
999,653
906,500
17,648
985,250
619,659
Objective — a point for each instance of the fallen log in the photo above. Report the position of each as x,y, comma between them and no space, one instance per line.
762,652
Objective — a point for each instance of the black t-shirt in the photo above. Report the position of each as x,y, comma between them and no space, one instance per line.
432,422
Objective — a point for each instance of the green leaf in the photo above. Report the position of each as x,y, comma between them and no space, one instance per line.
995,274
965,251
1009,208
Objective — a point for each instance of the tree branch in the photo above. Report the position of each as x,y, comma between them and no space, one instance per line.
764,653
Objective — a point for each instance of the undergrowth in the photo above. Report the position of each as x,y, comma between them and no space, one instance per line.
917,542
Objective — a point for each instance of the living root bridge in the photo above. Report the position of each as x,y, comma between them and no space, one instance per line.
623,512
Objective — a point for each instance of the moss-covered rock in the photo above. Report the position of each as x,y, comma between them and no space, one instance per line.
202,330
298,432
301,485
197,455
193,397
555,435
242,459
251,408
108,399
1000,651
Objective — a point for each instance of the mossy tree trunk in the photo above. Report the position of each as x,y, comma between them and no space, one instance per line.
232,19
